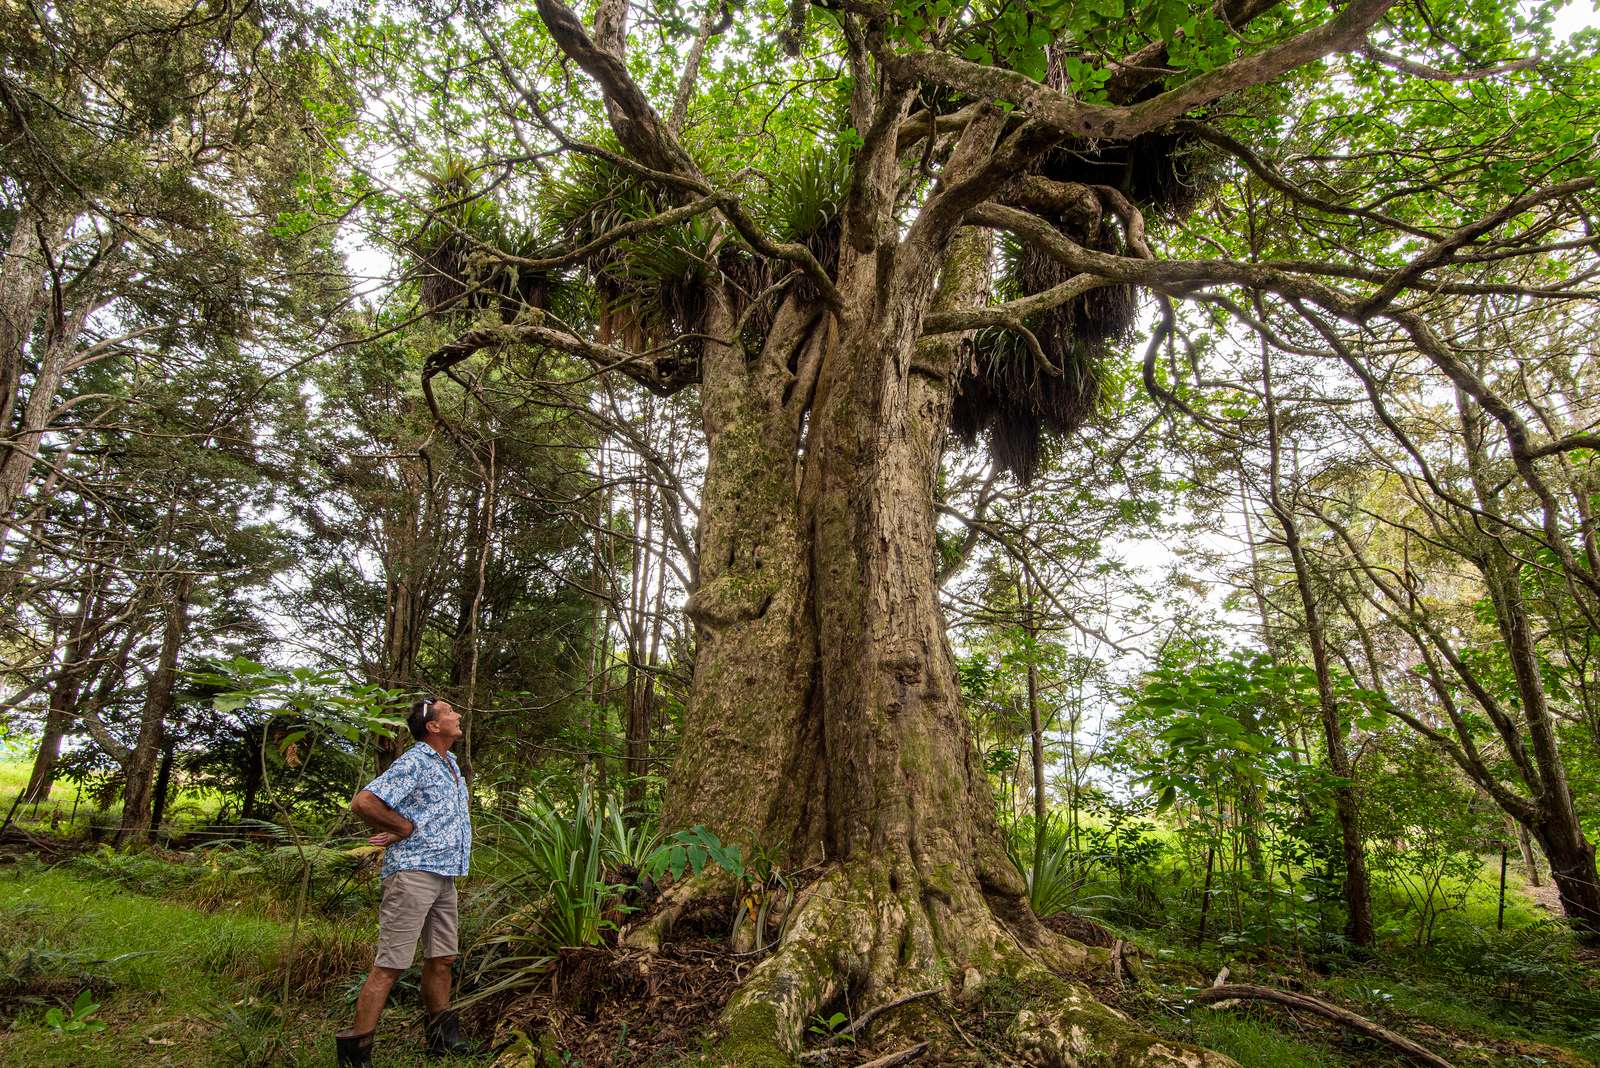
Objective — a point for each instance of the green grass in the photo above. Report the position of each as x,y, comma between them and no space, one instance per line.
1258,1043
1475,994
177,985
67,814
1524,996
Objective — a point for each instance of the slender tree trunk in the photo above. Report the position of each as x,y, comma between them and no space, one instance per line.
254,752
636,729
140,766
1357,891
1556,825
63,696
1530,863
22,441
63,703
43,776
158,804
464,665
600,628
1251,804
1035,724
24,295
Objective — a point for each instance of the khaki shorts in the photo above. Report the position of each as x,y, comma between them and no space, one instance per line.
416,903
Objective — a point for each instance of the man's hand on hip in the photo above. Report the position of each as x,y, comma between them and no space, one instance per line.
389,838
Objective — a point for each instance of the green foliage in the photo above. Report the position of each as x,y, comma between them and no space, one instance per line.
1054,871
548,866
831,1028
1424,829
760,884
34,971
194,980
318,698
75,1020
805,199
629,845
267,876
691,850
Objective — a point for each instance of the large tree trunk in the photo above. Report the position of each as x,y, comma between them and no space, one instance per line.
750,766
139,768
907,800
825,715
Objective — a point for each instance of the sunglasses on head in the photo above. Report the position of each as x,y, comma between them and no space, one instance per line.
427,708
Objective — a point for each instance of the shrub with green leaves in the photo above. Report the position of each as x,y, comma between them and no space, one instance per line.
1054,871
762,888
549,883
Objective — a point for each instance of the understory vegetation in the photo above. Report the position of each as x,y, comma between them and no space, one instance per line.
182,951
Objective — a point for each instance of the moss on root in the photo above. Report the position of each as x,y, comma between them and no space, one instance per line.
1077,1031
749,1037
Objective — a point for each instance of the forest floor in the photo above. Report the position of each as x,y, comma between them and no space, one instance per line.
181,978
174,984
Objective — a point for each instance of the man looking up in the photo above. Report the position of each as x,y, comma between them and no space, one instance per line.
419,809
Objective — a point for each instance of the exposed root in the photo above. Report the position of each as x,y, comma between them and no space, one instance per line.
848,935
1079,1032
675,902
894,1060
765,1019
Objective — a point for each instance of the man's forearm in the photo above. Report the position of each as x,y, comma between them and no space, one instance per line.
369,807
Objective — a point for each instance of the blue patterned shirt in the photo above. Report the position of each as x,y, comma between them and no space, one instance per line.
421,787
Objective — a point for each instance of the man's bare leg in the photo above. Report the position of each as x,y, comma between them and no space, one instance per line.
436,984
374,995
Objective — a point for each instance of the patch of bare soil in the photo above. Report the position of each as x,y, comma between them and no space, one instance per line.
1544,895
1465,1049
610,1005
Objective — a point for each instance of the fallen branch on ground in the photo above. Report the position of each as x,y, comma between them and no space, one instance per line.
1245,992
910,1053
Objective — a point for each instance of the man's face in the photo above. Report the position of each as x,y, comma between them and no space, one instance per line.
445,721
